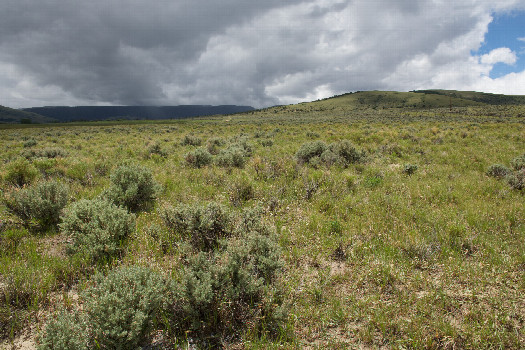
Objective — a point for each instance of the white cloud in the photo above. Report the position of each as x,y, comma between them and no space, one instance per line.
521,39
499,55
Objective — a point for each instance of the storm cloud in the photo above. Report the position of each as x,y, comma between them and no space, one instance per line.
257,53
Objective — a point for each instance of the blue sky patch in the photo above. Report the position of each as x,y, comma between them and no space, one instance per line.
505,31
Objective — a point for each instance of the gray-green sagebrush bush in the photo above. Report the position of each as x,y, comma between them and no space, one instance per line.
123,307
213,145
498,171
39,204
518,163
97,228
204,225
156,148
516,180
241,190
191,140
119,312
49,152
233,156
309,150
317,152
224,294
409,169
65,331
198,158
30,143
230,286
132,186
515,177
346,152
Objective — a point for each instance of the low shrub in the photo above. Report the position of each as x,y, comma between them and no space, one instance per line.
30,143
258,255
65,331
346,152
309,150
190,140
231,157
225,294
119,311
39,204
516,180
328,158
20,172
97,228
216,141
251,220
213,145
518,163
204,225
498,171
156,149
132,186
49,152
198,158
410,169
240,191
317,153
123,307
243,144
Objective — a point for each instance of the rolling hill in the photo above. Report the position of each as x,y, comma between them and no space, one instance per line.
395,99
414,100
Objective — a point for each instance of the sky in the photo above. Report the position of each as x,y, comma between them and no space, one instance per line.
257,53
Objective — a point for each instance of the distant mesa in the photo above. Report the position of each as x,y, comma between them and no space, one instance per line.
95,113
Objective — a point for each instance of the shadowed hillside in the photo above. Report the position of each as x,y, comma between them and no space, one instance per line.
10,115
92,113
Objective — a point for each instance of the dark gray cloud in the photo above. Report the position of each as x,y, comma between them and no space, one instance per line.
232,51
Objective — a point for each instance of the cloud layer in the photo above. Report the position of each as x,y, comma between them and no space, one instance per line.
236,52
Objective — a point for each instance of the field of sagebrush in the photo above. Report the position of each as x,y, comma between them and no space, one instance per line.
307,226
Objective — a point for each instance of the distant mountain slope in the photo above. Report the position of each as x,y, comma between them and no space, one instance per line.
10,115
92,113
483,97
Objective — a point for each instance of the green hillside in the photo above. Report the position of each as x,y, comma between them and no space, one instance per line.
394,99
10,115
491,99
379,100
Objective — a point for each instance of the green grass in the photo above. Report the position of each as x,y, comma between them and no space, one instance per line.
374,257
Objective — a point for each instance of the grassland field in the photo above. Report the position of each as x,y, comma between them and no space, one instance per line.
412,245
